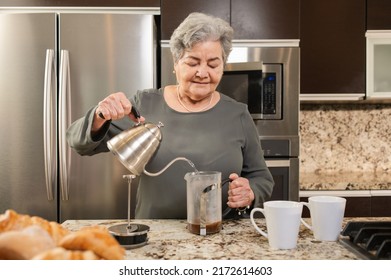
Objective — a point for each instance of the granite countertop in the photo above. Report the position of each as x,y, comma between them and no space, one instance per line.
238,240
343,181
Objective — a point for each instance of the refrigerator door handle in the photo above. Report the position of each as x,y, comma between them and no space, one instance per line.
64,121
49,125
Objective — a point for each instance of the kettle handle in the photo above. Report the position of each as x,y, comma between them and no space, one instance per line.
134,111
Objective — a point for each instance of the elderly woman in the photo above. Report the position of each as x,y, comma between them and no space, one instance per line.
212,130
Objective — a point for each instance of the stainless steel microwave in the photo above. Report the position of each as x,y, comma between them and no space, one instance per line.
256,84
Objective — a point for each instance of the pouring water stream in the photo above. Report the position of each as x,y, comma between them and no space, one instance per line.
169,164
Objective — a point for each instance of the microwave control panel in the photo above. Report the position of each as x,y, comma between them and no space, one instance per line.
269,93
271,105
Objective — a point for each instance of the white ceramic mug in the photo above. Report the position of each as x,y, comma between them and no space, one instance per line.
282,223
327,214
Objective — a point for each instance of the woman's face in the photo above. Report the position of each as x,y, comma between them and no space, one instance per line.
200,69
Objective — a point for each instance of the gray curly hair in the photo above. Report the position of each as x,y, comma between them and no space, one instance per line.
199,27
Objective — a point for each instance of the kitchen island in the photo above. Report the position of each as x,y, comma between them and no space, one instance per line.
238,240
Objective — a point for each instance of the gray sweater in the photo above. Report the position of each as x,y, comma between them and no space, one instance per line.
223,138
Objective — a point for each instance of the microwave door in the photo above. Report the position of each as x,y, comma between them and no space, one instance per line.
242,81
257,85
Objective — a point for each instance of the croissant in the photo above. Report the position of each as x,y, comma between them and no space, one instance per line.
24,244
32,237
11,220
60,253
96,239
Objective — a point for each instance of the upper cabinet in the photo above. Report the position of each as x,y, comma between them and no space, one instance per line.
333,49
378,14
266,19
80,3
251,19
378,38
173,12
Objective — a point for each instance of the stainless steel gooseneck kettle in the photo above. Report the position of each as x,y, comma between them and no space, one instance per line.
135,147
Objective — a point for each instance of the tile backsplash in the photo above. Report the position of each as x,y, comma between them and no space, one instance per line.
345,138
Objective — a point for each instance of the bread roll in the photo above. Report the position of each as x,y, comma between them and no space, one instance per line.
97,239
24,244
60,253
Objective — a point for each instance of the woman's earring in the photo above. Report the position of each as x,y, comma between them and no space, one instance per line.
173,71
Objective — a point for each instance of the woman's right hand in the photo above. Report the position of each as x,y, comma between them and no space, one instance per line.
113,107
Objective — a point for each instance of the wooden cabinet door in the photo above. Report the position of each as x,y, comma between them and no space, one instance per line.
380,206
81,3
173,12
378,14
265,19
333,46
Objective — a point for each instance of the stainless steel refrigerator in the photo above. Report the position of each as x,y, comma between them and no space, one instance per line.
53,68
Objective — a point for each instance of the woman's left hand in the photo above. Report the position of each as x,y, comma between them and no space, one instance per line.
239,193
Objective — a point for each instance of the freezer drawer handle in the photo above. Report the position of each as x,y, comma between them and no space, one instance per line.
49,125
64,121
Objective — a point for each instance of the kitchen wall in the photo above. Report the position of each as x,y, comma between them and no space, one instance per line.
345,138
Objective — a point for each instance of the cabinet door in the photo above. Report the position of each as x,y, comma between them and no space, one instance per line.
173,12
81,3
380,206
332,46
378,14
265,19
